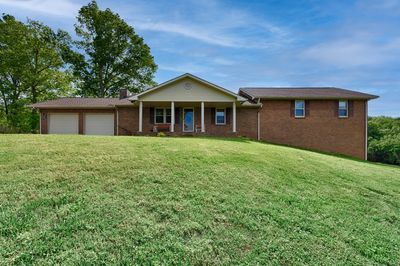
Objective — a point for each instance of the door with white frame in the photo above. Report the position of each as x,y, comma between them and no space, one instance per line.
188,120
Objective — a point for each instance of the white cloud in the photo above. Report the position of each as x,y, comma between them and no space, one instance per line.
223,61
184,68
64,8
353,53
189,31
209,22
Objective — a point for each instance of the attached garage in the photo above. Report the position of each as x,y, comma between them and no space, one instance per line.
63,123
99,124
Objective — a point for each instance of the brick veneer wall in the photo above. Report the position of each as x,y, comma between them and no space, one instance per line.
246,122
321,130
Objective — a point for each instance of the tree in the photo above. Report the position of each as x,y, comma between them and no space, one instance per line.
31,68
46,77
384,139
114,55
13,47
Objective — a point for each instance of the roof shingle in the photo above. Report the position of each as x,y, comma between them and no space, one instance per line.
82,103
304,93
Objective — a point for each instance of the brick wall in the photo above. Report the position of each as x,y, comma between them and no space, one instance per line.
246,122
128,121
320,130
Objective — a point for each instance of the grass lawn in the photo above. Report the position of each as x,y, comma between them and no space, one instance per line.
118,200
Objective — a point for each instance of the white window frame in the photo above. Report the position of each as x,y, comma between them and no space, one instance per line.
347,109
164,115
216,121
304,109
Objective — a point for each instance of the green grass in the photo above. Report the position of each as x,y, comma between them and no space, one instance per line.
119,200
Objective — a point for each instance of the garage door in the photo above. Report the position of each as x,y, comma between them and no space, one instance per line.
63,123
99,124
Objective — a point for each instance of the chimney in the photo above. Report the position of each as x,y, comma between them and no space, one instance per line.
123,93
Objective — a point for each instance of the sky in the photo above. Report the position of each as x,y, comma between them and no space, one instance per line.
344,43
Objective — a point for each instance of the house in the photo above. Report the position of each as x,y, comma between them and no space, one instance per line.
325,119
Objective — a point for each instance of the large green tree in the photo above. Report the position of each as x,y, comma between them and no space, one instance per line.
110,54
31,68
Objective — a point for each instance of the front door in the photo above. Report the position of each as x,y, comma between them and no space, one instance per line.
188,120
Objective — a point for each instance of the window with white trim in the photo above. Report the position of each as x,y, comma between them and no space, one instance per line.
220,116
299,108
162,115
343,108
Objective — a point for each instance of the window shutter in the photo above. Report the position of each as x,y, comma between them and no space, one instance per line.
151,115
213,116
336,108
177,115
228,116
307,107
350,108
292,108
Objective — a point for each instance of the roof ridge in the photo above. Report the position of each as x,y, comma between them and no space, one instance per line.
300,87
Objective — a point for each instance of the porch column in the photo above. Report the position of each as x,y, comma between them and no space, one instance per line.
202,118
140,116
234,117
172,128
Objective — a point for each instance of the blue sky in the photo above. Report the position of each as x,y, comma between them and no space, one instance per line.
348,44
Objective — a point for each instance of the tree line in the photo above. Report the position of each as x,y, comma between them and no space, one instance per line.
384,139
38,63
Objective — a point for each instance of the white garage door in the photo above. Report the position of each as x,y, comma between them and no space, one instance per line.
99,124
63,123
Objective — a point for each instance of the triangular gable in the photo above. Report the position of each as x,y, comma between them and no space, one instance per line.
187,87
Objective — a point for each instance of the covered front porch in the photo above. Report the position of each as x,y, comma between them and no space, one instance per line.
187,118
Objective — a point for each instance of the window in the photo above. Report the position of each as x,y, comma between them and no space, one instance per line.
220,117
343,109
162,115
299,108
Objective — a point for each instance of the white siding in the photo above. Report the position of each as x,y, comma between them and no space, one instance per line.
187,90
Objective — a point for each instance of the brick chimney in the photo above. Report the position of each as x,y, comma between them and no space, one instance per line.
123,93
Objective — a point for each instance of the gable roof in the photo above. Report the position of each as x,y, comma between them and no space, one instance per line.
83,103
303,93
187,75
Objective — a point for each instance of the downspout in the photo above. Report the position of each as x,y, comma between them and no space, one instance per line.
40,122
117,121
259,121
366,130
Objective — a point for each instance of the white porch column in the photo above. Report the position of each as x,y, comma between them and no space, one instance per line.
172,128
140,116
234,117
202,118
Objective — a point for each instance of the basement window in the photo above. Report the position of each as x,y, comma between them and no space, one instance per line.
299,110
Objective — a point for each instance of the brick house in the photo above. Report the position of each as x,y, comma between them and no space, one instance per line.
325,119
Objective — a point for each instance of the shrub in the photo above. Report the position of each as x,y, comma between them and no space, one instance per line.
161,134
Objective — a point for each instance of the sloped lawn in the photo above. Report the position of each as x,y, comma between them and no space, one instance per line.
123,200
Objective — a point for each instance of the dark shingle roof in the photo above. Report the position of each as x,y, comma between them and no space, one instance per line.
82,103
304,93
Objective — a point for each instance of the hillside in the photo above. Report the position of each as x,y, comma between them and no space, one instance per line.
109,200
